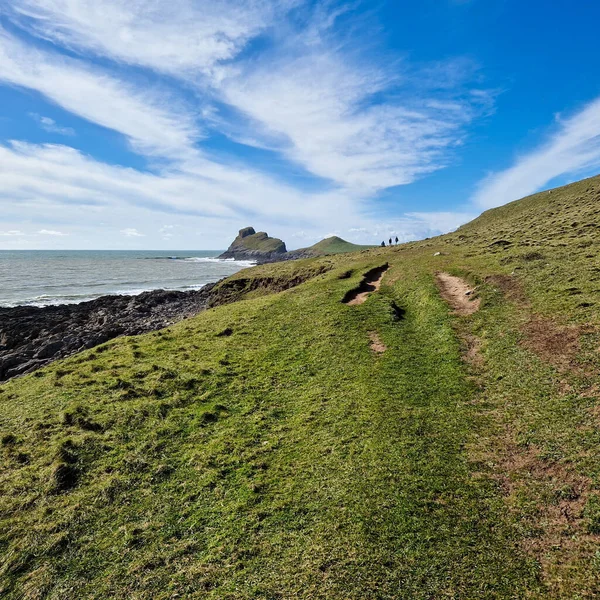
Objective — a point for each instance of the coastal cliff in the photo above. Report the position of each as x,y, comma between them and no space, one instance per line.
32,337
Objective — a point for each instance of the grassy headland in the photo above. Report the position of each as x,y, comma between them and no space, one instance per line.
263,450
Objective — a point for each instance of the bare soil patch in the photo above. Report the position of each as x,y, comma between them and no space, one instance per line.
376,344
371,283
472,350
509,286
557,344
457,293
559,494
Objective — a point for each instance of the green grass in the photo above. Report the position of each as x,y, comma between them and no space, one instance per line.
261,241
262,450
335,245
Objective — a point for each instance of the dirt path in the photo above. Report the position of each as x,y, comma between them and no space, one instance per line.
370,283
376,344
457,293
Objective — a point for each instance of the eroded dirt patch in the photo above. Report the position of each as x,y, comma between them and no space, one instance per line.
457,293
472,350
555,496
510,287
557,344
376,344
370,283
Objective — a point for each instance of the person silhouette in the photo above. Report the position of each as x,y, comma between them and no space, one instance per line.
396,239
390,241
383,244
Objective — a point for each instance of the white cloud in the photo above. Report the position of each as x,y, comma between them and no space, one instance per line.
131,232
152,122
51,232
57,184
166,232
12,233
320,108
439,222
184,39
574,147
410,226
50,125
311,96
359,122
42,178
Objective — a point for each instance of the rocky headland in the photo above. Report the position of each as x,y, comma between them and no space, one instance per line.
260,247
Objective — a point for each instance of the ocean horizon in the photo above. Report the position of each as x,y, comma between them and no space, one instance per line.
50,277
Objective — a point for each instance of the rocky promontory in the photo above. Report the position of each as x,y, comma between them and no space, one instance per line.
250,245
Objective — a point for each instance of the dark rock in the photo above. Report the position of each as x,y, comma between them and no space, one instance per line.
25,367
49,350
246,231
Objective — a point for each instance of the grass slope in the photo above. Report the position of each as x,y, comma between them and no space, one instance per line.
263,450
334,245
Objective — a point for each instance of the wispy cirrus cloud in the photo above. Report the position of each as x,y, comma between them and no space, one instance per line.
47,176
132,232
571,149
363,127
354,120
362,124
186,39
50,125
151,122
52,232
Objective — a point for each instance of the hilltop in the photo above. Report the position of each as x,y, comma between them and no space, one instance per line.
249,245
418,421
331,245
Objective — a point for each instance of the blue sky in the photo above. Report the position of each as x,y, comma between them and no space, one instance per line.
154,124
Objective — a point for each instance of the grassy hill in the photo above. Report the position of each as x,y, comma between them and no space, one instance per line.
333,245
268,449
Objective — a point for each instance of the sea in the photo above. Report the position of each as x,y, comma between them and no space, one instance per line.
43,278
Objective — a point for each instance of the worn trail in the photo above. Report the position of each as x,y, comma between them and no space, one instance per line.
457,293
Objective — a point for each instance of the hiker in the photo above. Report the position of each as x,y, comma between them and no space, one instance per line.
390,241
397,240
383,244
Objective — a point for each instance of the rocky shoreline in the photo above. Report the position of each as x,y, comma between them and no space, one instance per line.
32,337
